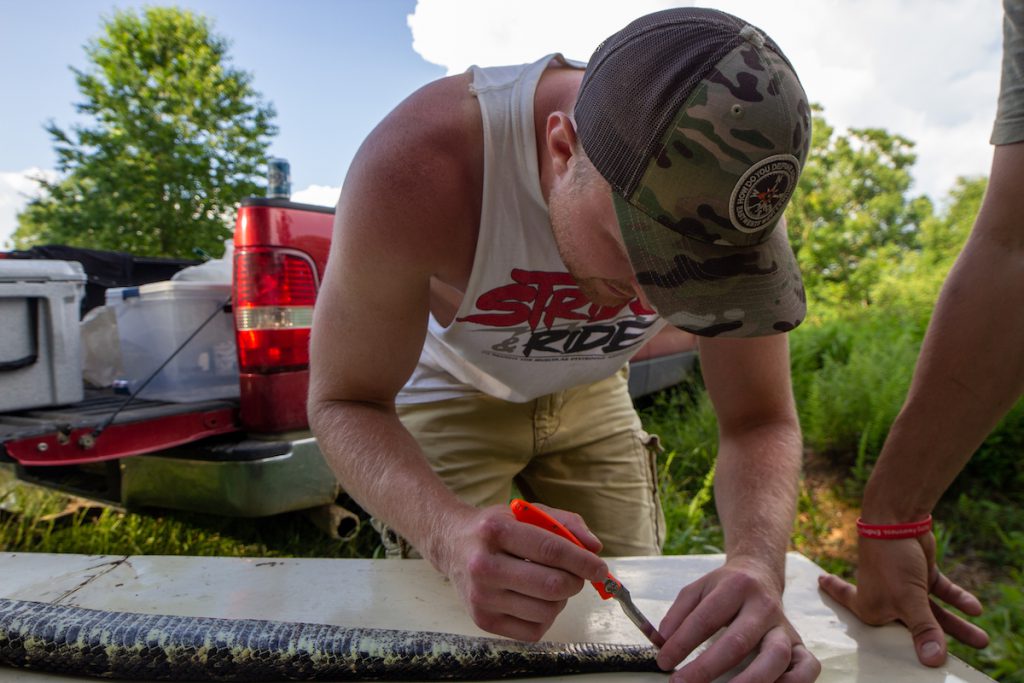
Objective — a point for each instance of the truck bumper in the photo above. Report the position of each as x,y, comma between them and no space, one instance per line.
243,479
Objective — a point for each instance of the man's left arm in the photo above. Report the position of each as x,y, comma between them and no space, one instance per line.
756,483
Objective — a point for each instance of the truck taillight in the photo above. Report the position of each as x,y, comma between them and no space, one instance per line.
274,293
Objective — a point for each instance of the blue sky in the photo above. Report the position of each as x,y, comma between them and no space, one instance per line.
927,69
331,69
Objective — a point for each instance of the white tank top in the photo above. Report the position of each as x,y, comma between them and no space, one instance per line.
524,329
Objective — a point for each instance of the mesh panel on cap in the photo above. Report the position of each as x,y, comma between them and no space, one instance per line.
638,79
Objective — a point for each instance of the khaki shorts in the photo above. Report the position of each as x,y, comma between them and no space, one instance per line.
581,450
1009,125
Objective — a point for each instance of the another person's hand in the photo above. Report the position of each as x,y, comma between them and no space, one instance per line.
744,598
894,581
503,594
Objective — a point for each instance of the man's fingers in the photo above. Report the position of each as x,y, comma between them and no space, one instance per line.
551,550
702,622
773,657
841,591
929,638
688,598
525,608
961,629
803,667
930,646
916,615
508,626
533,579
927,622
954,595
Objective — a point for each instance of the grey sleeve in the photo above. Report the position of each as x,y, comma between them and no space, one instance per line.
1009,124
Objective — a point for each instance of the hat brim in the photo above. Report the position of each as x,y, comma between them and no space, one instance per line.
714,289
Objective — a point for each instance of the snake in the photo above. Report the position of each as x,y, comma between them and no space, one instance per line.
68,639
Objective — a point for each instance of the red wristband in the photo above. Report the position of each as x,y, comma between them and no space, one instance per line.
892,532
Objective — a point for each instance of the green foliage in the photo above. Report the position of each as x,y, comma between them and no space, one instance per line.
995,471
813,525
943,236
991,531
909,287
850,377
850,217
1003,619
685,421
873,261
178,137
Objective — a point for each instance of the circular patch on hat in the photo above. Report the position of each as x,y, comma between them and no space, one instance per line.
761,193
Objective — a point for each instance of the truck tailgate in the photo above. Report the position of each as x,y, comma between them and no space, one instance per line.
80,433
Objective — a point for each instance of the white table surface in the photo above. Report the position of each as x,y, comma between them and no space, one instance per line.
409,594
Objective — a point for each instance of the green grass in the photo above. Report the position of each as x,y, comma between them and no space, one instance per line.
40,520
1004,620
687,468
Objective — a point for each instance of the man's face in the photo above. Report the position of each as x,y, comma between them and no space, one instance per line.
589,241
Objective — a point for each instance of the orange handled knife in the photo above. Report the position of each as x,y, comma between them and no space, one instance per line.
609,588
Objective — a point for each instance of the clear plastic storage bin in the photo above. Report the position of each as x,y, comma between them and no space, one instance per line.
156,320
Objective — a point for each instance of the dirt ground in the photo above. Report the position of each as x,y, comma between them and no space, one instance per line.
829,524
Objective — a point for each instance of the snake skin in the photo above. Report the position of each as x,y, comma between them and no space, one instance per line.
62,639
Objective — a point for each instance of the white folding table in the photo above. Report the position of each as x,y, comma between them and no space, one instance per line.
409,594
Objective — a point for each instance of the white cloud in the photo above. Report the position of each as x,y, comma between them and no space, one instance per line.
926,69
16,189
322,195
456,35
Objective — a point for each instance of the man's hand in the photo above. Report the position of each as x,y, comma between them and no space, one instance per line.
506,595
744,598
894,580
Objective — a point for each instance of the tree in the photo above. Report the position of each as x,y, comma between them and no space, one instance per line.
912,284
179,137
851,216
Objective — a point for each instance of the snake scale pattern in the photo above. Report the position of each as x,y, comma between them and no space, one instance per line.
125,645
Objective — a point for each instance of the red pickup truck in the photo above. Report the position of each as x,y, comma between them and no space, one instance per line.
250,456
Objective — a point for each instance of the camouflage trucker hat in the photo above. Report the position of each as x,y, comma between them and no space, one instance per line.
700,125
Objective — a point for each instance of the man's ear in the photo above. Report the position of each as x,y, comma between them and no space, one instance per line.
561,141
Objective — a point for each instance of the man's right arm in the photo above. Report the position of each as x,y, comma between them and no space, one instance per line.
400,222
369,324
969,374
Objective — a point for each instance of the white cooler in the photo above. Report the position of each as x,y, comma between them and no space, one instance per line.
40,349
154,320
